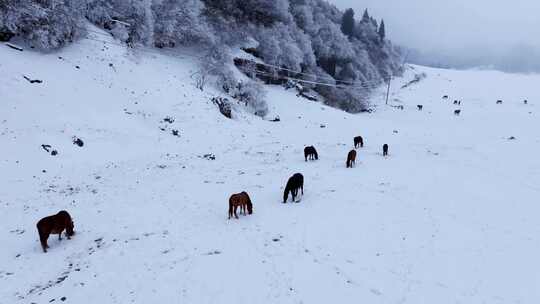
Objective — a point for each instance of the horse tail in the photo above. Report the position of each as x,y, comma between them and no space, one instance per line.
249,205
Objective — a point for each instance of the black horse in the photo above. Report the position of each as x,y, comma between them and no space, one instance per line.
358,141
385,150
294,183
310,153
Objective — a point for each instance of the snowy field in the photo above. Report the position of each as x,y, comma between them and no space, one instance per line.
451,216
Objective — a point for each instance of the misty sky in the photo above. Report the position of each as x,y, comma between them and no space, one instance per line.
457,27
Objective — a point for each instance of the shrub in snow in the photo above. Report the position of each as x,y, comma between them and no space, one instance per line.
224,106
252,94
46,24
178,22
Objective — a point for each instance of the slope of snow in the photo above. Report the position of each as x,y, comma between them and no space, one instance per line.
449,217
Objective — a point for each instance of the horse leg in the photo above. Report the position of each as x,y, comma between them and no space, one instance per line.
60,235
43,240
235,207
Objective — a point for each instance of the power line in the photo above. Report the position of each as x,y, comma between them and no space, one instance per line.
312,75
258,72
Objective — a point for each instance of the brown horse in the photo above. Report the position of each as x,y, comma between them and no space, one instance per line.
241,200
358,141
54,224
351,158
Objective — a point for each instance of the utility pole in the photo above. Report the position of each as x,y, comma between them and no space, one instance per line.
388,90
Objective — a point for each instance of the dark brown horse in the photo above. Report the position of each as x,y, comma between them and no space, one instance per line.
310,153
241,200
54,224
351,158
385,150
358,141
294,183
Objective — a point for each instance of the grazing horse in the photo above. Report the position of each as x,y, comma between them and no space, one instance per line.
294,183
385,150
351,159
420,107
54,224
310,153
499,101
241,200
358,141
525,101
457,112
445,97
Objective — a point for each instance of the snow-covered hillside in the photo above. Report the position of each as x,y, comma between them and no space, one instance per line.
451,216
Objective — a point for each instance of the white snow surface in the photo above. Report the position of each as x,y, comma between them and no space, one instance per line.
451,216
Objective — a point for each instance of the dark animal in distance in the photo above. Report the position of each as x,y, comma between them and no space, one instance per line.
54,224
33,80
385,150
294,183
525,101
241,200
77,141
499,101
445,97
457,112
310,153
420,107
358,141
351,159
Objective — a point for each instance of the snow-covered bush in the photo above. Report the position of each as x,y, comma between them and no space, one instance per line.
251,94
46,24
178,22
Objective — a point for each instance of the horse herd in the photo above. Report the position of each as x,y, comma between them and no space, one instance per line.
56,224
295,182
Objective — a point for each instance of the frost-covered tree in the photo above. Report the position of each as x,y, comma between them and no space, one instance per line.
47,24
179,22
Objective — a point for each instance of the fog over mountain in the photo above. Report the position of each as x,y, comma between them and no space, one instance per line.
461,33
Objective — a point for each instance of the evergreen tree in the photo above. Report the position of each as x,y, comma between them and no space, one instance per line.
365,17
347,23
382,31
